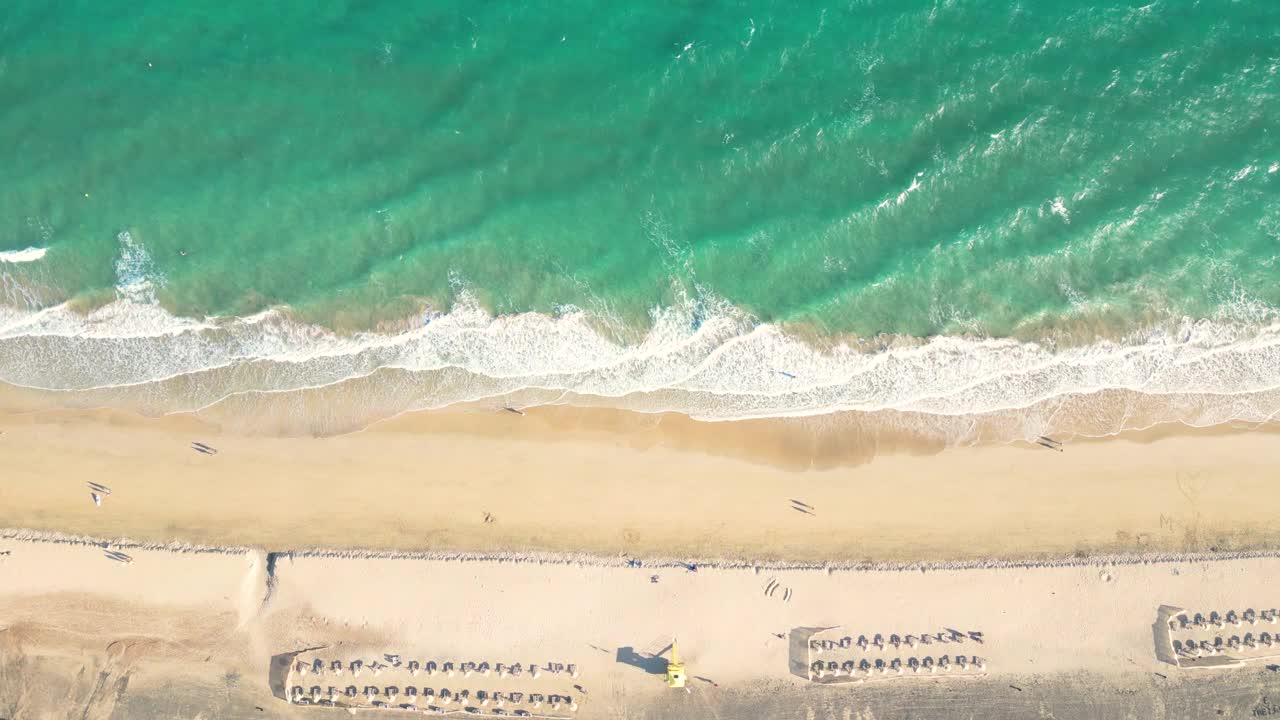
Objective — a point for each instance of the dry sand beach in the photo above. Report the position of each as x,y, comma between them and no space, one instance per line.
509,537
608,482
192,634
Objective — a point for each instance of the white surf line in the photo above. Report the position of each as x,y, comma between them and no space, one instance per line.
30,254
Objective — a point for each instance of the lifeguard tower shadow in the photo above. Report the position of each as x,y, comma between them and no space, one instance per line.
798,649
653,664
278,674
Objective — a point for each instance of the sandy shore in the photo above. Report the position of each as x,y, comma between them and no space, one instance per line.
608,482
81,631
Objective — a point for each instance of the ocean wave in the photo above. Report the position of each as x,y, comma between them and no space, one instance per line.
30,254
136,276
709,361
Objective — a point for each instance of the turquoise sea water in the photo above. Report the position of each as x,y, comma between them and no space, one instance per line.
1061,174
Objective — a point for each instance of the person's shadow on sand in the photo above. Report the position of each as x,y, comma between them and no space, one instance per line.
654,665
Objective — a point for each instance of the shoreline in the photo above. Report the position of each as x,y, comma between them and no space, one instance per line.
257,371
606,483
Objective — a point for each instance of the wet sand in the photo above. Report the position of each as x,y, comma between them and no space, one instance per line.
607,482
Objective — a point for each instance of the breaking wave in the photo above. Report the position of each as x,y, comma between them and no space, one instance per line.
30,254
713,363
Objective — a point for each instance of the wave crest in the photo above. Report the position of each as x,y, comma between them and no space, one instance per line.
711,362
30,254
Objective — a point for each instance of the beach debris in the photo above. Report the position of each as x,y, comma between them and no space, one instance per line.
653,579
97,500
510,409
99,488
203,448
785,374
489,518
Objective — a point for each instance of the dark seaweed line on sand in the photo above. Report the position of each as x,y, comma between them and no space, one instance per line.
587,559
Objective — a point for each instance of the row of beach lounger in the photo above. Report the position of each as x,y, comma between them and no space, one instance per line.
355,667
1247,617
896,666
1219,644
409,697
895,641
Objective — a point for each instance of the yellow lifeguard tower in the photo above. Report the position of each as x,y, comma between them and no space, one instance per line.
675,669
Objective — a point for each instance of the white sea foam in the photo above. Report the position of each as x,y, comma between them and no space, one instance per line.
705,359
136,276
1059,208
30,254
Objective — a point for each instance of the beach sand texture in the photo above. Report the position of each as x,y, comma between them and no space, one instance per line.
178,623
608,482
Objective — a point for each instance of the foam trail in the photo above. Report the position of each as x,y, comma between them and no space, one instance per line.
136,277
30,254
705,359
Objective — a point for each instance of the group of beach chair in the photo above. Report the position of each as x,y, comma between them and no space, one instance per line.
449,669
408,698
1216,620
894,641
866,668
429,699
